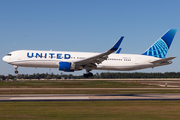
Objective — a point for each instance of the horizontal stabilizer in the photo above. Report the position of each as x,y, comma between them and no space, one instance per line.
163,60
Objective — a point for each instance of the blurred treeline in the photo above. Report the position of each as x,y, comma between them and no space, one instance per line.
106,75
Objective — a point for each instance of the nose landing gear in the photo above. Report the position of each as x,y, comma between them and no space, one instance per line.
16,71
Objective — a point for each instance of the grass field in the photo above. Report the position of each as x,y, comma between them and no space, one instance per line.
49,91
87,110
80,84
72,84
91,110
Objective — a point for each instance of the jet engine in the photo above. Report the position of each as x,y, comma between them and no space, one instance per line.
66,66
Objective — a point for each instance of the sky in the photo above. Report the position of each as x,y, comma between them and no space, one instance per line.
86,26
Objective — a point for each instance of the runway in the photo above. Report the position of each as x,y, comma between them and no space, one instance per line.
165,88
88,97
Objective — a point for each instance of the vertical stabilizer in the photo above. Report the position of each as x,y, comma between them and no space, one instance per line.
161,46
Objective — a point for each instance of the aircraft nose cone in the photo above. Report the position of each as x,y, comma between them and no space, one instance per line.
5,59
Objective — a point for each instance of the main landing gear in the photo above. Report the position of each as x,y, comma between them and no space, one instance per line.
16,71
89,74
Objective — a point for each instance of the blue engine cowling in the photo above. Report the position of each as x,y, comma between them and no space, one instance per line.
65,66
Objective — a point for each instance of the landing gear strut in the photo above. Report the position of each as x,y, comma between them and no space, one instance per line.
89,74
16,71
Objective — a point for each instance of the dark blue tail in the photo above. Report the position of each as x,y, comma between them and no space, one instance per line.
161,46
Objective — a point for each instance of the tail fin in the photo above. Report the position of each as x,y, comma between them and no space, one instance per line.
161,46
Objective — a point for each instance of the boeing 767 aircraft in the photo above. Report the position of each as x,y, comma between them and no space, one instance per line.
72,61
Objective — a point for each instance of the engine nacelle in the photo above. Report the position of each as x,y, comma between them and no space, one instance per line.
66,67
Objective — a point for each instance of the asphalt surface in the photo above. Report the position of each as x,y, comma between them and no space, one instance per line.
171,85
88,97
165,88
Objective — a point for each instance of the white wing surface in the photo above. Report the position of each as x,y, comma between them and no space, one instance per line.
97,59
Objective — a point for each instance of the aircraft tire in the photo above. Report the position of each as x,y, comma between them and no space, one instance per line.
16,72
86,75
90,74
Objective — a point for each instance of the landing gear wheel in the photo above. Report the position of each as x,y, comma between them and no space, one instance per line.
86,75
89,74
16,72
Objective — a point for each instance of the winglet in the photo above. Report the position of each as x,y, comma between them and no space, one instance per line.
116,46
118,51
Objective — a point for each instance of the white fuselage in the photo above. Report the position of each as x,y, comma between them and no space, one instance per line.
51,59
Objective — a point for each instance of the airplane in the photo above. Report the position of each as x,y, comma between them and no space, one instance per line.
154,56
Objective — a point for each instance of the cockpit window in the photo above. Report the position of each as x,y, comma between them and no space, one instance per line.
9,54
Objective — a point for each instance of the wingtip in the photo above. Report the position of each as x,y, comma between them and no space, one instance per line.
118,51
116,46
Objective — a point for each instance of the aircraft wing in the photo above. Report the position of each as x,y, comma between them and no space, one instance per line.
91,61
163,60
